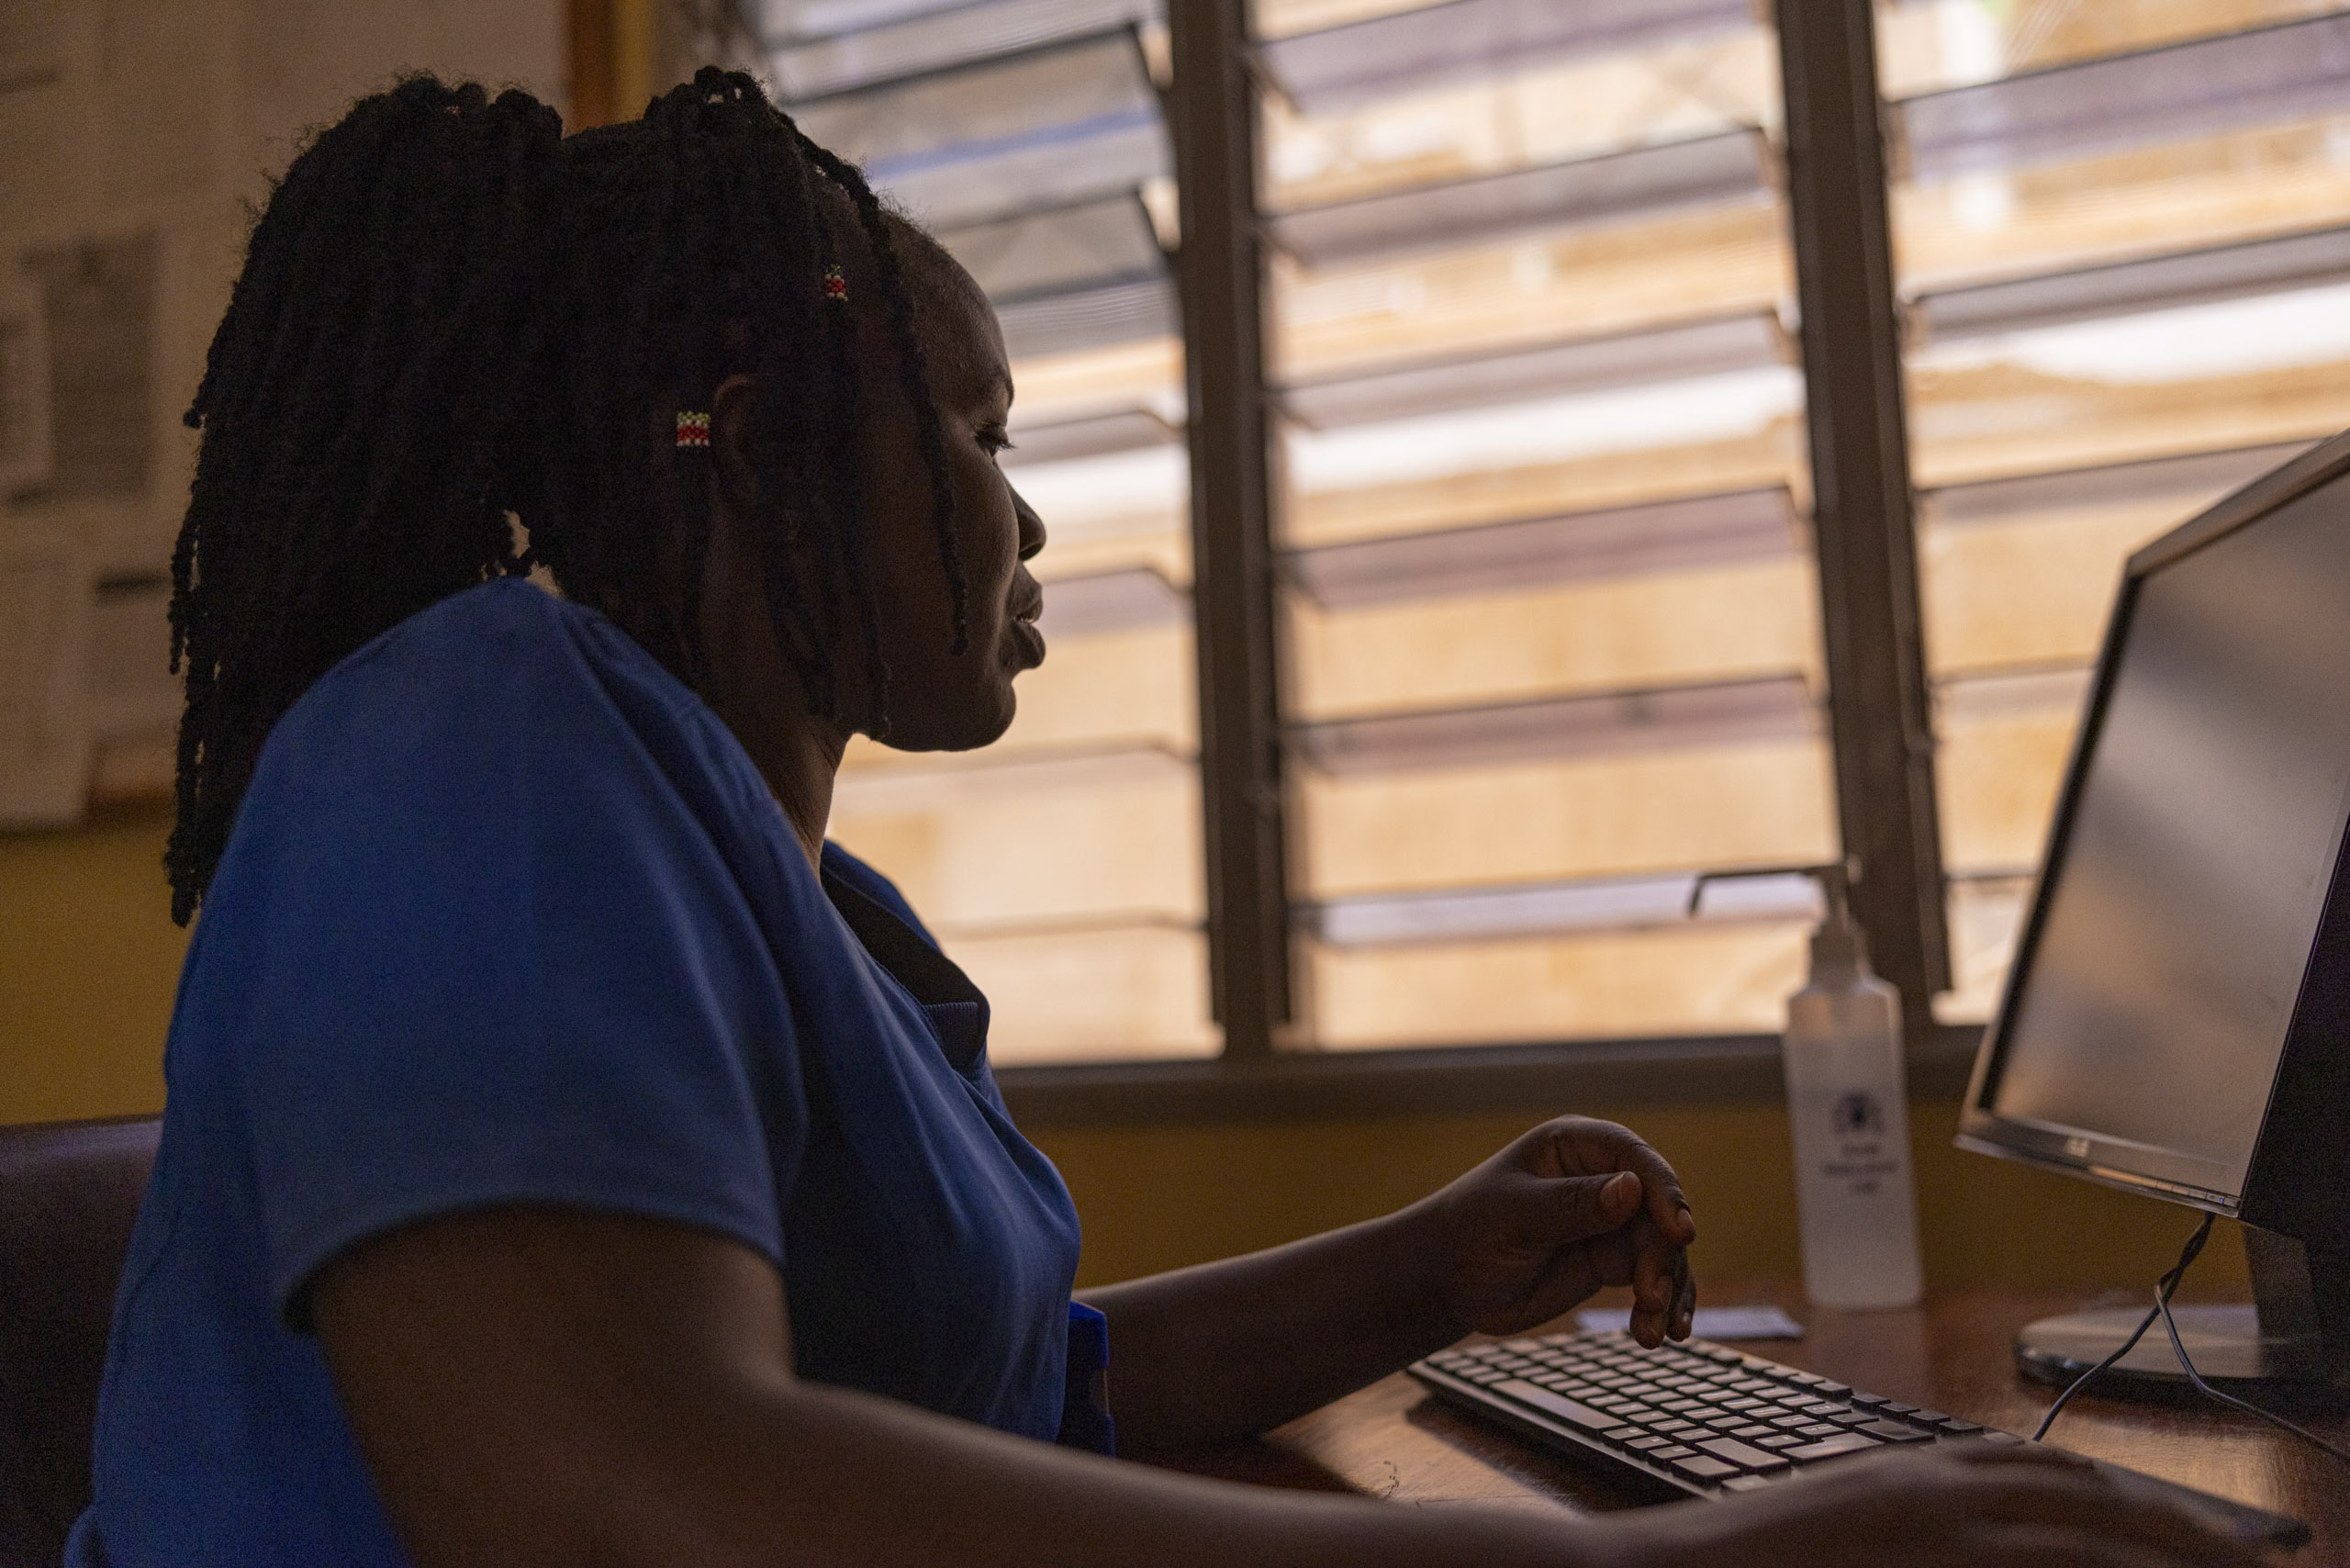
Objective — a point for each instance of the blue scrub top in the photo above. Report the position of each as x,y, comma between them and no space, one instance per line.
508,916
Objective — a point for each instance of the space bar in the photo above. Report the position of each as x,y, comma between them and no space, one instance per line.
1565,1409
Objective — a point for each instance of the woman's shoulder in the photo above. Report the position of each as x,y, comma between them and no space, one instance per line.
505,693
500,666
499,635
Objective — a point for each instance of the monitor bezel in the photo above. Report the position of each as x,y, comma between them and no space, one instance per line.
2074,1152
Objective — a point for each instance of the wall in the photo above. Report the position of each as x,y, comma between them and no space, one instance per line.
137,138
89,958
1159,1197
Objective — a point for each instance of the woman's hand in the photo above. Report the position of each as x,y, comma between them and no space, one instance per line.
1571,1207
1961,1505
1222,1350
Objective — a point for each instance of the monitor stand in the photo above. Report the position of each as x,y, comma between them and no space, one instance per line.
2276,1344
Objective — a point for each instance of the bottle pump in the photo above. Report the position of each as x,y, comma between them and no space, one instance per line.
1848,1109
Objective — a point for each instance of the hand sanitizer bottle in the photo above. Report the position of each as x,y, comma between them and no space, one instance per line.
1856,1200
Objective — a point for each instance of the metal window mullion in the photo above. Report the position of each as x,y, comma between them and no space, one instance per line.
1879,722
1221,278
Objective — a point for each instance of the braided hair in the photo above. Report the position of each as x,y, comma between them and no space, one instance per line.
452,320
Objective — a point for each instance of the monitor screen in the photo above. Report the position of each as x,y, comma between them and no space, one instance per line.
2178,911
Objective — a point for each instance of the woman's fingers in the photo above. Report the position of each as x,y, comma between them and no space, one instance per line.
2035,1493
1596,1145
2062,1490
1663,1295
2053,1546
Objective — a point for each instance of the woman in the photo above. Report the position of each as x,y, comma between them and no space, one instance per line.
572,1159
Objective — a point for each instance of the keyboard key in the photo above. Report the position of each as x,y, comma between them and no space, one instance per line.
1644,1444
1676,1428
1833,1390
1894,1408
1827,1429
1957,1427
1845,1415
1819,1408
1624,1434
1568,1410
1780,1440
1743,1455
1895,1432
1698,1467
1750,1431
1925,1418
1872,1401
1830,1448
1789,1423
2001,1437
1676,1450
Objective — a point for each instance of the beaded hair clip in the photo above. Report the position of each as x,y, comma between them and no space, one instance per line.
693,426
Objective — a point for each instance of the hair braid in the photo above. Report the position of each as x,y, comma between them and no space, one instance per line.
898,298
340,486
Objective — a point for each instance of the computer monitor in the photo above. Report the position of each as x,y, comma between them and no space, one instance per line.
2176,1021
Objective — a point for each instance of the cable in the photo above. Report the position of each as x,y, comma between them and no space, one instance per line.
2161,1309
2164,1290
2231,1401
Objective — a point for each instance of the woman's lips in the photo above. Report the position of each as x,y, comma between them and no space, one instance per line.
1032,641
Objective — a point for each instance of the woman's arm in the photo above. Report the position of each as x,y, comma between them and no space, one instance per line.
550,1387
535,1386
1230,1349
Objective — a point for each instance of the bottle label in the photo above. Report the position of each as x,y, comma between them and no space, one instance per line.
1862,1159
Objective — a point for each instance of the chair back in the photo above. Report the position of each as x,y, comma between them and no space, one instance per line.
69,1193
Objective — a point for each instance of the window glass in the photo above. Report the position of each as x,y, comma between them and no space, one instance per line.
2123,233
1550,615
1062,866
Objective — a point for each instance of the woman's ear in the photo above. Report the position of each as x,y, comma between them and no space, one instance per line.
730,441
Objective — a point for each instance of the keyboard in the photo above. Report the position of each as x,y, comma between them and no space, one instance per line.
1700,1419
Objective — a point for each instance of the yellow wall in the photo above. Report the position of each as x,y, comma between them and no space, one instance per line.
89,956
1159,1197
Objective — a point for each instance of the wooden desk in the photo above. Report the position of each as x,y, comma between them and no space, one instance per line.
1394,1440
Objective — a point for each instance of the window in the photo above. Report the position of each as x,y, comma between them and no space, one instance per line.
1541,538
1549,612
2123,235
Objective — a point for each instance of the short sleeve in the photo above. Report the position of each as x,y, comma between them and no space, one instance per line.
476,943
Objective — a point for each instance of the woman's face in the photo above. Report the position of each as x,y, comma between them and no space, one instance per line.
939,699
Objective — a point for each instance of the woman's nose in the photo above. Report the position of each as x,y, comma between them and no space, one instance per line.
1032,527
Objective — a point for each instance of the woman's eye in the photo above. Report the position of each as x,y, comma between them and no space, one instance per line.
994,439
